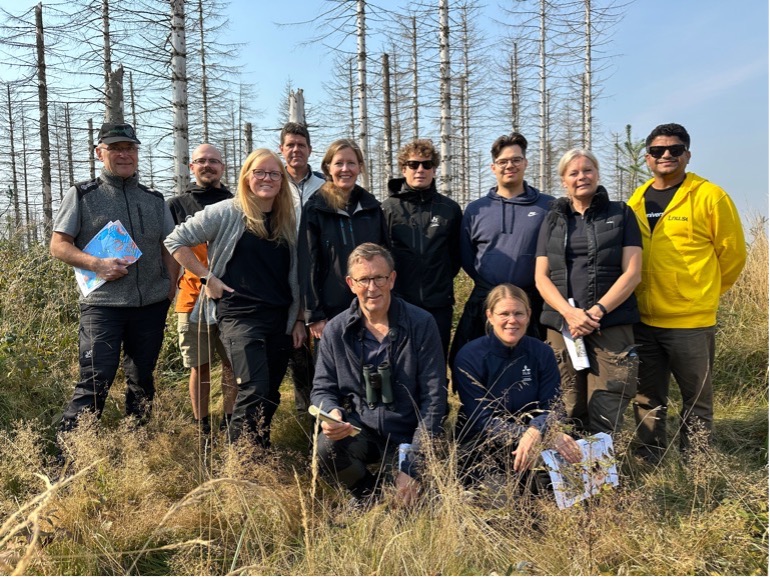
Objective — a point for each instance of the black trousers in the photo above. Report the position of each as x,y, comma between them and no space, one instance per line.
259,365
102,332
302,372
688,354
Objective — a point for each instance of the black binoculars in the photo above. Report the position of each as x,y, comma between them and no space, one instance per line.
378,387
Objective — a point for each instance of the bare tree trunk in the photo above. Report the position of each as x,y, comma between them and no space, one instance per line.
446,99
57,146
363,118
248,138
68,133
352,103
297,107
114,112
227,164
30,227
107,53
587,102
548,151
543,99
91,160
151,166
515,91
45,145
388,152
14,176
179,102
204,79
132,97
415,83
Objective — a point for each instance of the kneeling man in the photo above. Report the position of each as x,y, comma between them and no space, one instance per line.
381,368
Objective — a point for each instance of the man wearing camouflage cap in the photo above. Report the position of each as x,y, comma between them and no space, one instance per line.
129,310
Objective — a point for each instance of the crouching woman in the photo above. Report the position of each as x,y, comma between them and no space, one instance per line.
507,382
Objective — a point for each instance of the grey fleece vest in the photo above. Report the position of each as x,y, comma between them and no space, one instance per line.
141,210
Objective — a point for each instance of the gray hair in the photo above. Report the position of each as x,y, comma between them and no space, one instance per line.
368,251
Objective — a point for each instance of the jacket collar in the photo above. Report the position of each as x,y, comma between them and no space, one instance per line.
396,320
398,188
120,182
601,200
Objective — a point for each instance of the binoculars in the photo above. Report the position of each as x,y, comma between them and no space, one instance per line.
378,387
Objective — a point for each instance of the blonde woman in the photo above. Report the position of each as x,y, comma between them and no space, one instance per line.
590,251
337,218
252,282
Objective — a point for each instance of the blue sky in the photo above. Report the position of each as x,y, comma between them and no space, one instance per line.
701,63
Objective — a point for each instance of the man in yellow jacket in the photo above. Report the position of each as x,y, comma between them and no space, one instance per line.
693,251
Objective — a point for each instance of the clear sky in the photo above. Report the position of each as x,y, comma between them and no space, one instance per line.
700,63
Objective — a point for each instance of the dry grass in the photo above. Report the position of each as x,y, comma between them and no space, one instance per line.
149,502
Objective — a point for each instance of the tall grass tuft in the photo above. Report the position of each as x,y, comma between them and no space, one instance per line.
159,500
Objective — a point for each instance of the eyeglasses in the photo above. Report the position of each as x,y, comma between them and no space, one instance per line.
204,160
379,281
271,175
414,165
121,150
659,151
502,316
515,161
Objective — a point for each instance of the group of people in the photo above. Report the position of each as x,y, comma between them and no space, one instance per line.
309,271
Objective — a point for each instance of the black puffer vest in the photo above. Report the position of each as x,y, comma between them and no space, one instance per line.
604,229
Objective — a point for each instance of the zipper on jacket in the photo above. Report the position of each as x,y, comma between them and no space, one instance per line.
133,235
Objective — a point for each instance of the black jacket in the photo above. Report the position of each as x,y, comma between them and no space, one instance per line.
194,199
327,238
604,230
424,233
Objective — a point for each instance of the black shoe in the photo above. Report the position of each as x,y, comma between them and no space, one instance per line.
224,424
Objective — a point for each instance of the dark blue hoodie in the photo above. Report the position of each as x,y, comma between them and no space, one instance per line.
499,237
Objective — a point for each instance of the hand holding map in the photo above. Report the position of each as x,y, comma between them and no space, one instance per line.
112,241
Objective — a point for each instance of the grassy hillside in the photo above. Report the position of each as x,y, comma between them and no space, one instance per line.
147,502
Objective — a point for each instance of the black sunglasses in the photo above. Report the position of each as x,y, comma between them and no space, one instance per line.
413,165
658,152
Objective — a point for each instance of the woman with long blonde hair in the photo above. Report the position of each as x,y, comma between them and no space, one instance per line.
336,219
252,282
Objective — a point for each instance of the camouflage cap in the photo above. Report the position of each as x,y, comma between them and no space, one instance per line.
116,133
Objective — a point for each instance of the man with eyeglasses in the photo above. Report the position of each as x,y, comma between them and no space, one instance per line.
129,310
424,230
295,148
380,368
499,239
693,251
198,340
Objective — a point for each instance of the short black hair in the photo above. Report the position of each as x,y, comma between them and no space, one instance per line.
508,141
669,130
292,128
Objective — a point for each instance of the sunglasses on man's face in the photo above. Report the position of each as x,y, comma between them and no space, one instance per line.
658,152
413,165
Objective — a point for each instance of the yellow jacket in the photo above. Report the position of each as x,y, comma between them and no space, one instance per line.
694,255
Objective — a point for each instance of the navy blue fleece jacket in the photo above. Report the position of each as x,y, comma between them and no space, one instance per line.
499,237
418,373
498,385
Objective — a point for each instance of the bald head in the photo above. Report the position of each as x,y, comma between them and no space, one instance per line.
206,165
